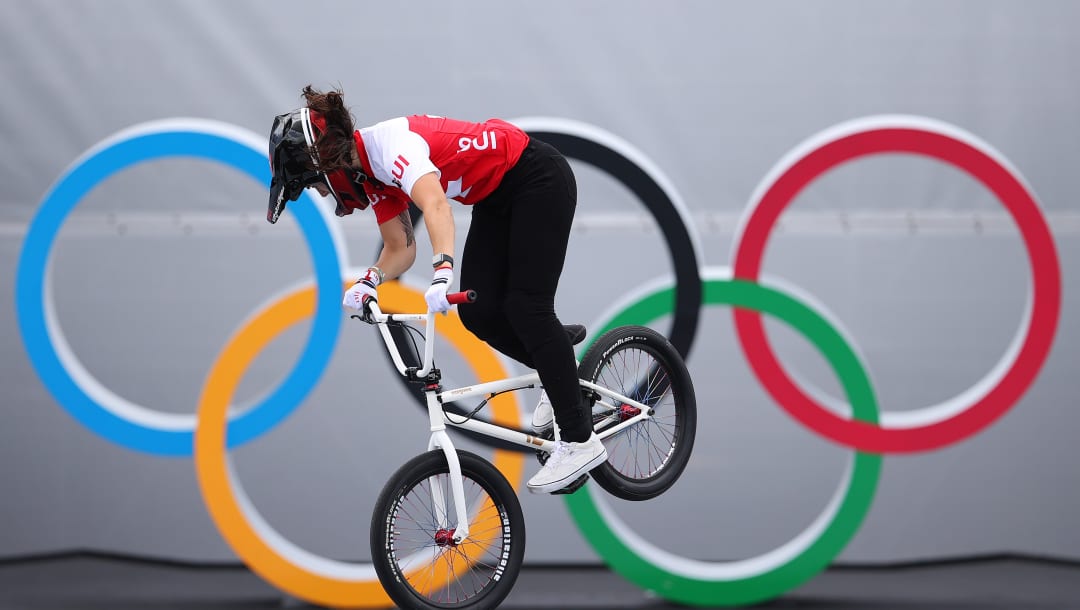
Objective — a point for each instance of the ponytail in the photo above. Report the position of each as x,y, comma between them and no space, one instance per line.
335,144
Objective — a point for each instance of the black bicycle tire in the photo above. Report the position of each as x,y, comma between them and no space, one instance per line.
665,354
497,488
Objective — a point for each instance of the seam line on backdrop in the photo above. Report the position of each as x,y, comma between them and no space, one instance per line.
117,557
825,222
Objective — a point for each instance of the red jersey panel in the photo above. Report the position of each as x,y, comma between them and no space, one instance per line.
470,159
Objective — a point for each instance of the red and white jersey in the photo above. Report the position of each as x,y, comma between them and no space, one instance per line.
470,159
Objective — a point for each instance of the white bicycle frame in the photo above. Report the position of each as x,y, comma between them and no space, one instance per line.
439,419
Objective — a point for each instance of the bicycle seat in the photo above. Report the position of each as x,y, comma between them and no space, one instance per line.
576,333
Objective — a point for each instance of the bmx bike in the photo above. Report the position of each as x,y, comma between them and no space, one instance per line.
447,530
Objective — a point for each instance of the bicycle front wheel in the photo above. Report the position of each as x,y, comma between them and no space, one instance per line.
412,535
647,458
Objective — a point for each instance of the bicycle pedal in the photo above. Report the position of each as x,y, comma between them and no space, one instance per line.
571,488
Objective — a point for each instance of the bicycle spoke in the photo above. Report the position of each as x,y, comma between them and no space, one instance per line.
643,449
422,544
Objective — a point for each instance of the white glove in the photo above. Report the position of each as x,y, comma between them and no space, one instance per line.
363,291
436,294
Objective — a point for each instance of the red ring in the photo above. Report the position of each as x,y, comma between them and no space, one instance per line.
1045,270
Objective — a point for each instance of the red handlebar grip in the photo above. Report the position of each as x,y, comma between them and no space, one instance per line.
465,296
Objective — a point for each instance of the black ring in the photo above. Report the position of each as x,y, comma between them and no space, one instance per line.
688,290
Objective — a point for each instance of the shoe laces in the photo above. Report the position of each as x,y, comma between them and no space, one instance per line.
562,448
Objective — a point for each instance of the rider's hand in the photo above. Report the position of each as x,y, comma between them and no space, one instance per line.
440,283
363,292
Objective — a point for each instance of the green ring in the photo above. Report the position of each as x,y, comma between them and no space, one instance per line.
741,582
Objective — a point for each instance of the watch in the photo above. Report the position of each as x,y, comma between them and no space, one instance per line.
439,259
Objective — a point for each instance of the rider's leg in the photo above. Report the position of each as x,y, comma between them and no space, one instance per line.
529,218
485,268
541,219
543,416
542,202
513,257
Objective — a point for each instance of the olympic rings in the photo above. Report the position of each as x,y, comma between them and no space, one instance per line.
325,581
125,423
292,569
976,408
703,583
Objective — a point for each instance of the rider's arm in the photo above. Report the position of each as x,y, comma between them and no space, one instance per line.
399,246
428,195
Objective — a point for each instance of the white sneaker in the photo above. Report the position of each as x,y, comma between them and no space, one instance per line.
543,416
567,463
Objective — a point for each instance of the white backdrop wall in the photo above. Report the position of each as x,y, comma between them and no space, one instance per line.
159,264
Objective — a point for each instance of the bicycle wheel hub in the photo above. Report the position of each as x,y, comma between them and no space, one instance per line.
628,411
445,537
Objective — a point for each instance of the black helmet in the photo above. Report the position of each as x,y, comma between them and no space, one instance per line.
294,162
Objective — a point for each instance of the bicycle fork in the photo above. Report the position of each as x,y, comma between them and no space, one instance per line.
441,440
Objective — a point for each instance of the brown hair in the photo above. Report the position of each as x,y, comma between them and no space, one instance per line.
335,144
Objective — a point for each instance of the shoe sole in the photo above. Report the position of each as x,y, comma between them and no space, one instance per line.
569,479
571,488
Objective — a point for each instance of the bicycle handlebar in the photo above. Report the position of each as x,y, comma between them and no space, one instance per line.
454,298
380,318
465,296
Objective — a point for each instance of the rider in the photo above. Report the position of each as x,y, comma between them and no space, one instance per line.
522,193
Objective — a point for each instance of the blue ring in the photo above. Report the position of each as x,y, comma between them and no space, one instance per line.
30,286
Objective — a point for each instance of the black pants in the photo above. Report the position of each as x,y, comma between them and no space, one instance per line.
513,258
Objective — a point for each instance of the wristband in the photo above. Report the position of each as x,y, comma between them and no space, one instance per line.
440,259
378,273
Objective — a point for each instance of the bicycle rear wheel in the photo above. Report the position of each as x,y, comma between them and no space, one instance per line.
412,533
647,458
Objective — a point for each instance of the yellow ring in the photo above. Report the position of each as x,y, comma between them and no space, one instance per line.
321,581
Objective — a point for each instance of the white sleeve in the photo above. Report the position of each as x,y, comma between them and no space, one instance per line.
399,156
